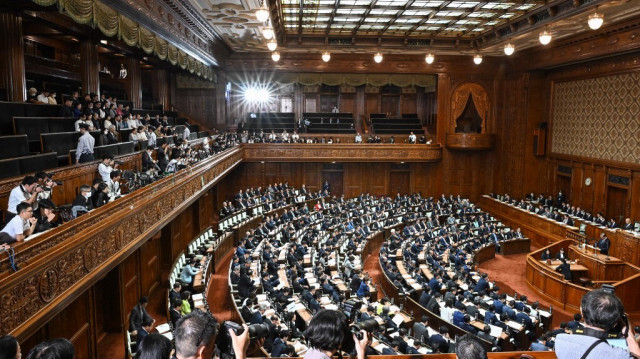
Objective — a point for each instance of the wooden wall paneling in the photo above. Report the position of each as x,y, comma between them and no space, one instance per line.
372,104
166,251
311,180
12,65
379,184
130,286
399,182
599,184
634,204
149,265
577,192
75,323
409,103
347,103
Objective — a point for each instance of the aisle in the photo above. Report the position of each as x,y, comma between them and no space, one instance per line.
509,274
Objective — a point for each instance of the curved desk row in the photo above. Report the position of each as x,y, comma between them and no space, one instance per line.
565,294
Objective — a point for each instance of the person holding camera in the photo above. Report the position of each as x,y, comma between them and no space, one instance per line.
107,166
26,192
327,333
47,183
114,185
602,312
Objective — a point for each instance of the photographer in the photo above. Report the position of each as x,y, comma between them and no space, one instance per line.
47,183
46,216
107,166
602,312
326,334
114,185
25,192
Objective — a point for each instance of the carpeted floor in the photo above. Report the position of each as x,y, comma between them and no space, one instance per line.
509,274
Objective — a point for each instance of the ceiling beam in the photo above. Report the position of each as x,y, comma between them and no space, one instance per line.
333,15
364,17
398,14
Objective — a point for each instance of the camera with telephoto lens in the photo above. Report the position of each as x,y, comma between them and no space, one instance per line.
224,342
369,326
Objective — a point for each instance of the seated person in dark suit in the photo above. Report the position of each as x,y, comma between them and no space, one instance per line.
280,344
144,330
440,340
561,255
486,334
139,316
546,255
174,293
466,325
175,311
575,323
393,350
502,323
565,269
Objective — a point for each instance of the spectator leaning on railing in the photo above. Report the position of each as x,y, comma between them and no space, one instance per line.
82,203
20,226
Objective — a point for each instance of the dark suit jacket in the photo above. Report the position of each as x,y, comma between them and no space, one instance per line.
175,315
565,269
137,316
388,351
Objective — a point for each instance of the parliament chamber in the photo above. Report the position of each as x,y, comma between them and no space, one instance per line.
266,164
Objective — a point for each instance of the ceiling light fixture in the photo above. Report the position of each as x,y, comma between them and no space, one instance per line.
326,56
377,57
545,37
477,59
275,56
429,58
262,14
272,45
268,32
509,49
595,20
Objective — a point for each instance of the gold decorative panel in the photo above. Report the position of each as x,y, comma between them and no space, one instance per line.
598,118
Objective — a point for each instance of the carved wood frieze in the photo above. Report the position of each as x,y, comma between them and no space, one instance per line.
342,153
69,258
470,141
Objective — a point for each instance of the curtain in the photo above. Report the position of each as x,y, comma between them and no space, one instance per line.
111,23
461,96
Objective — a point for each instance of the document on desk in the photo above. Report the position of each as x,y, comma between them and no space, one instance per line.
495,331
398,319
163,328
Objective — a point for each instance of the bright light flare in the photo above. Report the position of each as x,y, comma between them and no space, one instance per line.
257,94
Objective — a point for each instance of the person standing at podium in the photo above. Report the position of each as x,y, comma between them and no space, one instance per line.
604,244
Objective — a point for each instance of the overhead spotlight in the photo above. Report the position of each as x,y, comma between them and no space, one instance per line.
326,56
377,57
477,59
429,58
509,49
275,56
545,37
272,45
262,14
595,20
268,32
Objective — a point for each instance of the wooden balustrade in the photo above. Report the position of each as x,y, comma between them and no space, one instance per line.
60,264
339,152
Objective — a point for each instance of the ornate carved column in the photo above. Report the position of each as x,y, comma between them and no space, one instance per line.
161,88
12,62
135,79
89,67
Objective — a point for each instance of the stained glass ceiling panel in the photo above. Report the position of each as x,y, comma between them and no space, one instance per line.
412,18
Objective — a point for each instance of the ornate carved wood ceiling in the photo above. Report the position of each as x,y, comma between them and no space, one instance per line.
405,26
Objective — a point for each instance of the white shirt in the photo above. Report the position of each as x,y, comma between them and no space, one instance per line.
105,172
107,124
132,123
77,124
152,139
358,139
114,190
17,195
16,226
42,98
186,133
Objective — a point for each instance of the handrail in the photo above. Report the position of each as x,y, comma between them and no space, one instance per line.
69,259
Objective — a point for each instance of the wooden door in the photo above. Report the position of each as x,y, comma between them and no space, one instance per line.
398,183
390,105
310,105
335,181
564,185
616,203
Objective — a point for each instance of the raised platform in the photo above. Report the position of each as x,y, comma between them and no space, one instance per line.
470,141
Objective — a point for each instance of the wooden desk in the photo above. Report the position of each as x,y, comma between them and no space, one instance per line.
515,246
599,267
484,254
